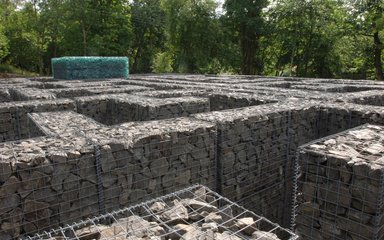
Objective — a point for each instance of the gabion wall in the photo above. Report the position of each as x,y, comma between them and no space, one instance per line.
340,194
76,149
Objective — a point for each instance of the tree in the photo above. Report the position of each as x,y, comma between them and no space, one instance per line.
100,27
4,43
246,19
26,45
193,33
367,17
148,26
304,37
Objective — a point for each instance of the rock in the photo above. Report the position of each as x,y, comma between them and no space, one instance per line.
176,214
329,227
90,233
201,194
137,195
374,149
310,209
8,203
226,214
261,235
363,134
330,142
5,171
44,195
5,236
71,182
213,226
182,229
57,157
139,227
157,207
195,216
60,173
213,217
246,225
35,210
226,236
159,167
10,228
342,198
197,234
198,206
10,186
152,185
183,178
34,180
168,180
361,169
108,162
358,216
309,191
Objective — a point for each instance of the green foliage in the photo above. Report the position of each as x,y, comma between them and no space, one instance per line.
148,23
162,63
194,33
6,68
308,38
246,19
4,44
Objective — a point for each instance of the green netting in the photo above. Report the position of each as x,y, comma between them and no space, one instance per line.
90,67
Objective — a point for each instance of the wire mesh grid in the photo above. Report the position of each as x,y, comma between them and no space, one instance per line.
195,212
254,163
43,190
340,186
15,123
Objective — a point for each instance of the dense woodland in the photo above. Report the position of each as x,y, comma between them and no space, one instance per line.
306,38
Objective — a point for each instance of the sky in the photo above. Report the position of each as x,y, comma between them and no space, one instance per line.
220,6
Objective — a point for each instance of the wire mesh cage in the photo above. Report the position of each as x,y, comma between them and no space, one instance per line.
67,166
195,212
340,186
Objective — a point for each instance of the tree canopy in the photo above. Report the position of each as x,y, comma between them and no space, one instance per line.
306,38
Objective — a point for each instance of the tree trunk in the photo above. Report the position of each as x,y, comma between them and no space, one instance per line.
248,45
377,52
84,38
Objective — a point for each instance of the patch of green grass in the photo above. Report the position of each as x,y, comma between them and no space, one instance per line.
11,70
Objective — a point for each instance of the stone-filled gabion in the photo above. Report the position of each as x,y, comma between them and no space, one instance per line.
114,109
14,122
192,213
109,151
254,152
341,188
82,168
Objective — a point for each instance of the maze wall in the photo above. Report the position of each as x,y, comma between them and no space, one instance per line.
71,150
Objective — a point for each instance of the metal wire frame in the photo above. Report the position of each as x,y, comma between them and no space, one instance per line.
152,144
143,210
96,196
353,216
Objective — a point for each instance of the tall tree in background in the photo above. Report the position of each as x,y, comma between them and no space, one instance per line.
305,34
148,27
4,43
192,31
367,18
100,27
246,18
25,37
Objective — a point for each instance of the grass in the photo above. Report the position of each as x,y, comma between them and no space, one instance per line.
7,70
